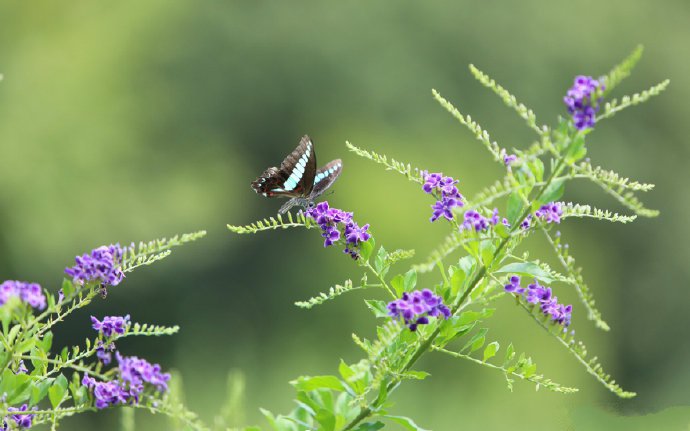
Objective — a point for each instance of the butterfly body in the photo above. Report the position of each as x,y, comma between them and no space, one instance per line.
297,178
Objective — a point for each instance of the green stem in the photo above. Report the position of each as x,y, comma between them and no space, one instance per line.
426,344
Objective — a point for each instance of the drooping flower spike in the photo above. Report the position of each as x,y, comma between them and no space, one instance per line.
583,100
543,297
29,293
102,265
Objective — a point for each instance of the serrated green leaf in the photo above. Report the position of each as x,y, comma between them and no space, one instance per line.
370,426
477,341
457,280
380,259
398,284
552,193
526,268
514,209
410,280
46,342
310,383
57,391
405,422
67,288
378,307
39,391
366,248
490,350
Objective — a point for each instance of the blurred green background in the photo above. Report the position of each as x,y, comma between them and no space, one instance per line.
125,121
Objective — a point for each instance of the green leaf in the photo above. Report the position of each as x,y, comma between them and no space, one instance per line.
490,350
57,391
469,316
378,307
39,391
457,280
526,268
477,341
514,209
452,328
22,389
410,280
366,248
380,259
537,168
417,375
67,288
398,284
370,426
576,150
310,383
510,354
24,346
46,342
405,422
7,382
326,419
552,193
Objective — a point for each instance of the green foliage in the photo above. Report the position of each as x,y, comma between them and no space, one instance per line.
622,70
272,223
359,398
28,339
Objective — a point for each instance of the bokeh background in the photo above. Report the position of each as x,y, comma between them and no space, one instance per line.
126,121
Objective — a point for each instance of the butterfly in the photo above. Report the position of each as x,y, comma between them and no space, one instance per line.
297,178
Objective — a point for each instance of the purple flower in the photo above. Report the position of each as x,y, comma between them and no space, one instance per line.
450,196
104,352
29,293
473,220
583,100
542,296
513,285
415,308
509,159
133,376
526,222
102,265
336,224
21,420
136,372
21,368
110,325
551,212
106,393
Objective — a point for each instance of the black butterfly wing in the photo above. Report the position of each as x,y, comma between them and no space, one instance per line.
325,177
294,178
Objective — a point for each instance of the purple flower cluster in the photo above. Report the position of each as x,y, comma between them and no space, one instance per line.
415,308
22,419
102,265
29,293
133,375
337,224
450,196
474,220
110,325
104,352
551,212
583,100
541,295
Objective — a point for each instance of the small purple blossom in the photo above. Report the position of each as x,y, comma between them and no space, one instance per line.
513,285
29,293
21,368
543,297
102,265
473,220
526,223
104,352
136,372
133,374
416,307
336,224
509,159
450,196
22,419
583,100
110,325
550,213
